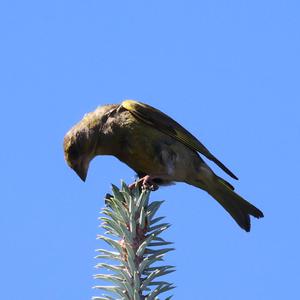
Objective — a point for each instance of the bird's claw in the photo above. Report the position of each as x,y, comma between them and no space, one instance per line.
150,186
146,182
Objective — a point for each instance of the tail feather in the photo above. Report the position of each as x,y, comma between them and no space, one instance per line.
235,205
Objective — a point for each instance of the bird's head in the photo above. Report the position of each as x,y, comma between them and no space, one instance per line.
82,141
78,150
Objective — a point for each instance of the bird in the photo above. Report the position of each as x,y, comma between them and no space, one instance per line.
157,148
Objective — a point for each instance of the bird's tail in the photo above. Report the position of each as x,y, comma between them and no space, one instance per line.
236,206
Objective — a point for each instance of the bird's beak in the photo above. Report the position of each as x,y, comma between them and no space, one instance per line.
82,168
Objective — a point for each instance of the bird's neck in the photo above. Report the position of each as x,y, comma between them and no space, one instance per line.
107,144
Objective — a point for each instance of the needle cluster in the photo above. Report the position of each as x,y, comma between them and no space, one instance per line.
134,232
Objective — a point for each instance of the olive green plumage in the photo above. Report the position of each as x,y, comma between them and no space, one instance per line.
159,149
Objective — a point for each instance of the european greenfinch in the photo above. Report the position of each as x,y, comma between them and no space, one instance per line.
157,148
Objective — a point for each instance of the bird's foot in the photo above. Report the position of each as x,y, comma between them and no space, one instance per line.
147,182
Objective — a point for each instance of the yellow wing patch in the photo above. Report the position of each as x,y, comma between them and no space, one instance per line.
131,104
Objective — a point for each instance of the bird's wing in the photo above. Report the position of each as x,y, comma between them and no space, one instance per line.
167,125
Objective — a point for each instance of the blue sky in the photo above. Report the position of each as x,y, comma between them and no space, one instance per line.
227,70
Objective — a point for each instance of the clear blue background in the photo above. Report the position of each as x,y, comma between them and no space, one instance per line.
227,70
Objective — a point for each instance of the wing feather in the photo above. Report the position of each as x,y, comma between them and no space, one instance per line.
167,125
